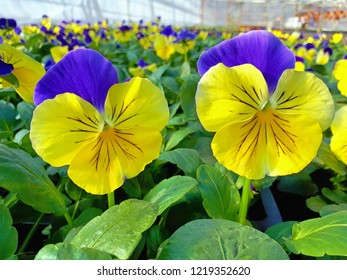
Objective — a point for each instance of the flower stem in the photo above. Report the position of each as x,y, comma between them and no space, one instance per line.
69,219
245,197
110,199
30,234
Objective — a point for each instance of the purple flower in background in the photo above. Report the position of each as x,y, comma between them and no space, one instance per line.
168,31
185,35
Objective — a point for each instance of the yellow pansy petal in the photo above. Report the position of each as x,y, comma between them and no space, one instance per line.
339,123
338,127
240,147
96,167
304,93
293,142
62,126
338,146
58,52
102,166
342,87
299,66
27,70
136,103
340,69
229,94
136,148
270,143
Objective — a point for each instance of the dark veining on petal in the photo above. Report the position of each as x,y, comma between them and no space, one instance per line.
290,98
246,134
246,92
93,125
95,159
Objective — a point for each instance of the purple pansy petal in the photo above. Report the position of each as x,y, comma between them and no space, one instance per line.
299,58
260,48
142,63
168,31
328,50
83,72
5,68
309,46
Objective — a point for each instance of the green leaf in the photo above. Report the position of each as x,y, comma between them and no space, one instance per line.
336,196
7,116
326,156
185,69
119,229
8,234
219,240
221,199
169,191
332,208
63,251
316,203
21,174
280,231
156,75
320,236
11,79
188,91
26,112
186,159
177,136
300,183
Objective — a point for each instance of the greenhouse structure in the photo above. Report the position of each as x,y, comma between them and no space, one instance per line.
307,14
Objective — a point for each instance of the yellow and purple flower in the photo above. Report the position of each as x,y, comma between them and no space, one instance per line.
19,71
268,118
104,130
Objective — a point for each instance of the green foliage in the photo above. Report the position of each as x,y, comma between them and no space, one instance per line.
8,236
221,197
219,240
320,236
63,251
169,191
21,174
119,229
186,159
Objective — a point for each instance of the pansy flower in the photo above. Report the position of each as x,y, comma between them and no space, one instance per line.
339,73
163,43
338,143
268,118
185,41
142,65
104,130
19,71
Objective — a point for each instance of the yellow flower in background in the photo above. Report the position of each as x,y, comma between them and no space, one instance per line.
338,143
322,57
25,71
58,52
268,119
105,131
339,73
203,35
139,71
226,35
163,46
164,43
185,41
293,38
124,33
299,64
336,38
